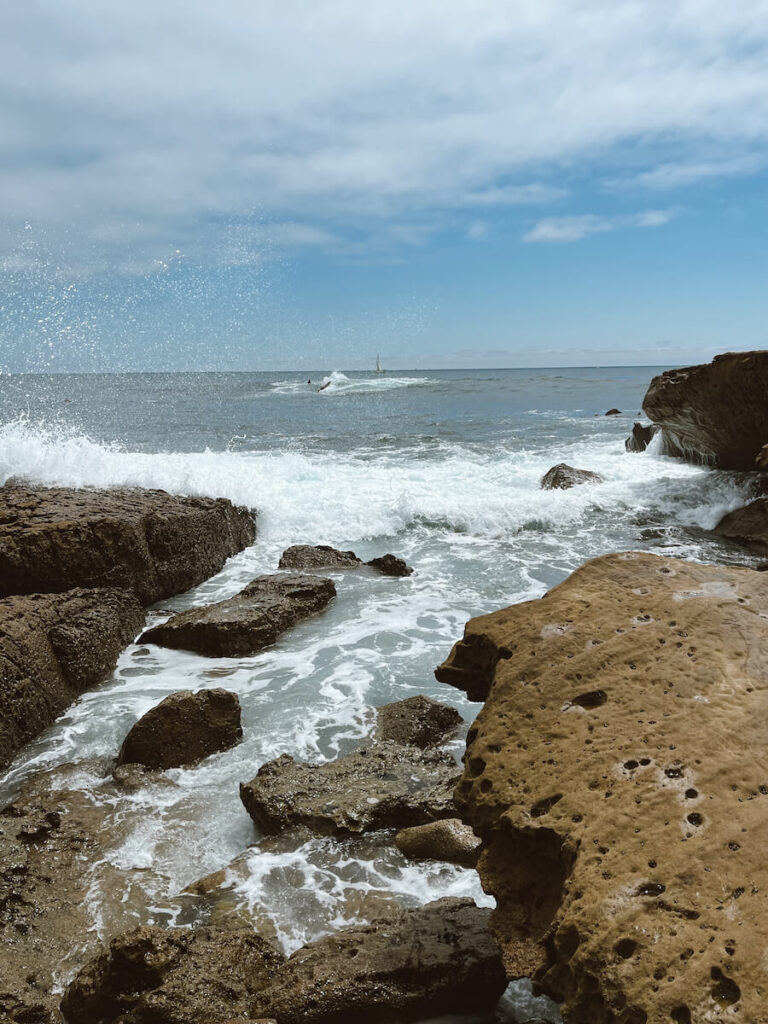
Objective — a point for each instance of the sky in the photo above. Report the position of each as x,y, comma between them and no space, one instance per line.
253,185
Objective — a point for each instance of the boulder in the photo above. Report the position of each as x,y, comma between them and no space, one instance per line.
247,623
642,435
618,779
52,647
449,840
183,729
380,785
153,543
407,965
390,565
173,976
416,721
562,477
613,412
715,413
747,526
308,558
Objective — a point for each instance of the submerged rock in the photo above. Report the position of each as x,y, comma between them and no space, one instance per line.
715,413
153,543
747,526
390,565
52,647
406,965
183,729
642,435
614,412
617,777
563,476
247,623
173,976
449,840
304,556
416,721
381,785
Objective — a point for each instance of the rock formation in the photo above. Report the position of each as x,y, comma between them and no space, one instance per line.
52,647
183,729
310,559
714,413
747,526
449,840
406,965
390,565
150,542
416,721
642,435
247,623
618,777
613,412
562,477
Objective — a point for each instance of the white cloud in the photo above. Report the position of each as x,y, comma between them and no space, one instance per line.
573,229
678,175
477,230
171,116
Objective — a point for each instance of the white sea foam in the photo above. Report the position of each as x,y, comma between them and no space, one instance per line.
338,383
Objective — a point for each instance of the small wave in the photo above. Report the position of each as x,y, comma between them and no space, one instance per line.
338,383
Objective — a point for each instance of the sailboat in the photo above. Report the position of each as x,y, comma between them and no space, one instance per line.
379,367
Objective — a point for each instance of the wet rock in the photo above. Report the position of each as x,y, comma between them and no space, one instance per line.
390,565
153,543
714,413
247,623
449,840
747,526
409,964
416,721
183,729
613,412
172,976
52,647
642,435
617,779
381,785
562,477
306,557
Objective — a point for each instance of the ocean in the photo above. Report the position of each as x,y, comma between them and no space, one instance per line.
442,468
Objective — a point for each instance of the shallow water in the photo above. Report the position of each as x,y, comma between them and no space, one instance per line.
442,468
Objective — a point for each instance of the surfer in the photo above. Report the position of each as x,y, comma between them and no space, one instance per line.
309,381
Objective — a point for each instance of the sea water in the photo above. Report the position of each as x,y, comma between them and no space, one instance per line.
442,468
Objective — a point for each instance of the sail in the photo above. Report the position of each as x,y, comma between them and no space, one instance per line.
378,365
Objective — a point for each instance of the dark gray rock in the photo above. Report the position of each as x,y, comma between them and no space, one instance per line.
249,622
416,721
642,435
380,785
321,556
390,565
153,543
407,965
747,526
563,476
449,840
614,412
183,729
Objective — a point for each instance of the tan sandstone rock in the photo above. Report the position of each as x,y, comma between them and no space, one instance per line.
618,775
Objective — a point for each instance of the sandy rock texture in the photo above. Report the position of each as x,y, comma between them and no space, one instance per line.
249,622
52,647
449,840
183,729
562,477
174,976
153,543
416,721
714,413
618,776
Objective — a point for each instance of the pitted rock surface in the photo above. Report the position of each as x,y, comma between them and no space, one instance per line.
416,721
309,558
153,543
562,477
381,785
249,622
407,965
618,776
183,729
714,413
52,647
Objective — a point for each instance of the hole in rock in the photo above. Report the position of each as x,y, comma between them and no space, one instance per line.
544,806
691,794
725,991
592,699
681,1015
675,772
625,948
650,889
476,766
695,819
486,785
631,765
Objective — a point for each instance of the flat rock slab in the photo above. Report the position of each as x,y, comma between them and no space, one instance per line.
449,840
562,477
183,729
153,543
416,721
381,785
407,965
309,558
714,413
172,976
249,622
52,647
618,776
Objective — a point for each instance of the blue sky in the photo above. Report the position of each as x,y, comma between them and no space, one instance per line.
274,185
